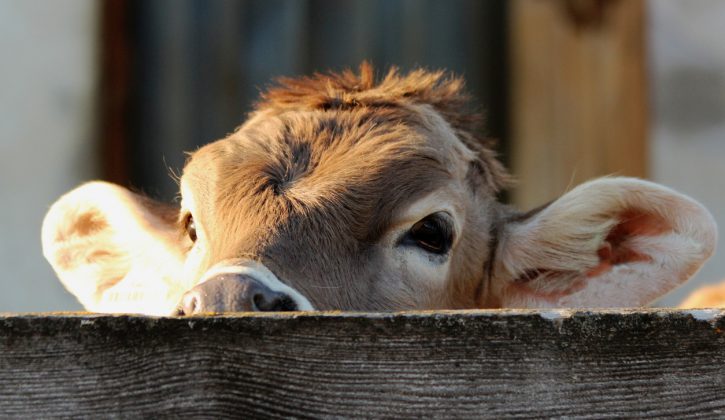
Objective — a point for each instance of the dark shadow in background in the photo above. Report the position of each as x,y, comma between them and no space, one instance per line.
182,73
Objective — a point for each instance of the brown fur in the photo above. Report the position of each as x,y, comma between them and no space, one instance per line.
708,296
322,186
324,163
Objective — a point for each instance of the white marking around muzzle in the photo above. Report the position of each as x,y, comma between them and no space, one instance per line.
262,274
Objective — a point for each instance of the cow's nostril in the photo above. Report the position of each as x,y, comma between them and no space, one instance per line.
285,304
259,300
273,302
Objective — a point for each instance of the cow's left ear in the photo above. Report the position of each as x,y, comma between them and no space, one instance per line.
612,242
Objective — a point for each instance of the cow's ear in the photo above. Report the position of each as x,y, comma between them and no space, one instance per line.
612,242
116,251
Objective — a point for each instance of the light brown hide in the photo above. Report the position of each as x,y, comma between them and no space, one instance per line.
709,296
321,187
310,184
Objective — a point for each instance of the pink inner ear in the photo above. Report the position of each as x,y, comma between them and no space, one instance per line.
616,248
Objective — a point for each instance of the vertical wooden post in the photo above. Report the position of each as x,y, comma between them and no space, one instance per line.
115,60
579,95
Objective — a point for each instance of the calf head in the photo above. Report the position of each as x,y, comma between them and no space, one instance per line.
341,192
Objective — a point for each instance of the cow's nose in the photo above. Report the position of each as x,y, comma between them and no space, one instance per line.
234,293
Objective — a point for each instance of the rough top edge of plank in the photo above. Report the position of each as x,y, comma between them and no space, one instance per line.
702,314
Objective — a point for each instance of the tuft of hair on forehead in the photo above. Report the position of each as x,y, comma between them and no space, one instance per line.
349,90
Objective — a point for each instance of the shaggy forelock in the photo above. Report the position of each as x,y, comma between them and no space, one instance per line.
349,90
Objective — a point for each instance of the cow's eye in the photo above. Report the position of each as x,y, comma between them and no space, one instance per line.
190,227
433,234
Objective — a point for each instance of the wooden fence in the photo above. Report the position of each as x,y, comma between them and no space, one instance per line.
444,364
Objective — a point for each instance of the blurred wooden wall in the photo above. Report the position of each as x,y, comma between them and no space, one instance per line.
578,100
562,81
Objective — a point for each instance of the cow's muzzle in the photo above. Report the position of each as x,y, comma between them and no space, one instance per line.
241,286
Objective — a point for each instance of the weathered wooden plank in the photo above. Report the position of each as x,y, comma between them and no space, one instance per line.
578,101
452,364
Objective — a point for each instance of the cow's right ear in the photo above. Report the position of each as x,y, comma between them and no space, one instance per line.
619,242
116,251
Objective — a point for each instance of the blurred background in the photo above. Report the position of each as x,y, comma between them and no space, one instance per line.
573,89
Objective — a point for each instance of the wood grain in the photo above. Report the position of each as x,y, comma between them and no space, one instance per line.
578,99
453,364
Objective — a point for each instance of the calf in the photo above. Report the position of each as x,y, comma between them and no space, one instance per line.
709,296
342,192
